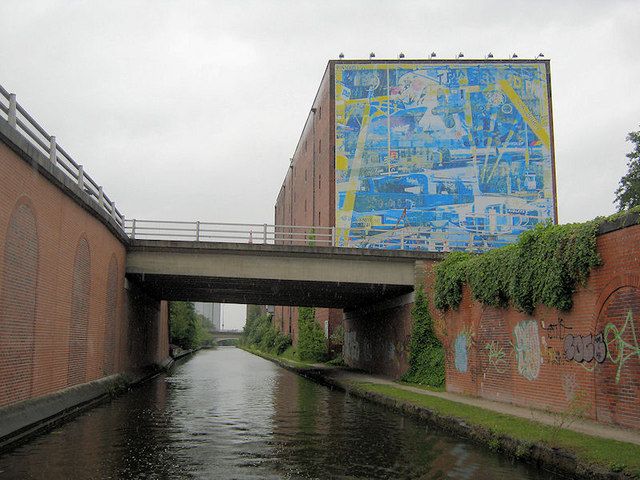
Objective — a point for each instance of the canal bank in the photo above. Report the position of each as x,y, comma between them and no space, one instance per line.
23,421
556,442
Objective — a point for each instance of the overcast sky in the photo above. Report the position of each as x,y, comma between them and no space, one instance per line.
191,109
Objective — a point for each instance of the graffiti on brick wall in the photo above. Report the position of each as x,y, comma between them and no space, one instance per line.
496,356
620,350
581,349
585,348
462,345
461,354
527,349
556,330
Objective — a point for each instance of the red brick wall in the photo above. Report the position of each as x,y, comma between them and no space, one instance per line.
62,294
551,359
307,195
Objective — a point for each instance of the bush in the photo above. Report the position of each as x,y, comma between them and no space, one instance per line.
312,346
426,353
260,334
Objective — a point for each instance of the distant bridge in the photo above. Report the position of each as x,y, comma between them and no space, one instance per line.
222,335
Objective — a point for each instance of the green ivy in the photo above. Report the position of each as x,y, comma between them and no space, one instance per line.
544,267
426,353
260,333
312,346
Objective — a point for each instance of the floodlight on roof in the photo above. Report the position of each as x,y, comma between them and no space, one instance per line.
540,55
515,55
341,56
401,55
372,55
489,55
433,55
460,55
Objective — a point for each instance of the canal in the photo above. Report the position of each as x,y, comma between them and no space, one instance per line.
227,414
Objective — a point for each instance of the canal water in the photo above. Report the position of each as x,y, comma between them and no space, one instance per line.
227,414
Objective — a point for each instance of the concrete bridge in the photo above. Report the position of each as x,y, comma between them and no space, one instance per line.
226,335
272,274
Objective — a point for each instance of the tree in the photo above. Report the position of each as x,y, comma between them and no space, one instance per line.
186,327
628,192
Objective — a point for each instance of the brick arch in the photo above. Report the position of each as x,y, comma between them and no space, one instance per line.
80,298
18,303
617,389
110,317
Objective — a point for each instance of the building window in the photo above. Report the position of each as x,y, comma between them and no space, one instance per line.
305,204
319,146
319,113
305,176
319,222
319,181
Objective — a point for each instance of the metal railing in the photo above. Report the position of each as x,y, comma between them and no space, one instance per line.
230,232
470,238
24,123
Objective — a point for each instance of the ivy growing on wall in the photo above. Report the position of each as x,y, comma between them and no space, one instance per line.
544,267
426,353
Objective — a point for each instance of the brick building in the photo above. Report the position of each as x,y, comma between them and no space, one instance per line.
435,155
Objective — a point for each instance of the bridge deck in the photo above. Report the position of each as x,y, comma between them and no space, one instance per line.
271,274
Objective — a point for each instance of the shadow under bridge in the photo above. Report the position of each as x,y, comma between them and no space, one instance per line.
266,274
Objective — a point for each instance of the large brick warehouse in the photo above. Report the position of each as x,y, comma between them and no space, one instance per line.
435,155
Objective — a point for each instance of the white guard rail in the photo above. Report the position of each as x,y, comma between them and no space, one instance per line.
230,232
20,119
470,237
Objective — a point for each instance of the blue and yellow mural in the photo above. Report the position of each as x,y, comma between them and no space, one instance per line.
441,156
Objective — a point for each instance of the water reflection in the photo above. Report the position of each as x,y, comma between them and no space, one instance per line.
229,414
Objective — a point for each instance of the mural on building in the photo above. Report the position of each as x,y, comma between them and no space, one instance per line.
441,156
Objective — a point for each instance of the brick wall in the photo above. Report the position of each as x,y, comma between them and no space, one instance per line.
307,195
63,302
588,356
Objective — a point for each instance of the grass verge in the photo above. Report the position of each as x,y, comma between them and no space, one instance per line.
612,454
288,356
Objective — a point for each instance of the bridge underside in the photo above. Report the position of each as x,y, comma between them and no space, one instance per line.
266,291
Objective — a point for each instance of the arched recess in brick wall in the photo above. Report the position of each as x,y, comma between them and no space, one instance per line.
18,304
80,298
495,357
110,317
617,384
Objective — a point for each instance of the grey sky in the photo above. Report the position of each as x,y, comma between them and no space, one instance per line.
191,109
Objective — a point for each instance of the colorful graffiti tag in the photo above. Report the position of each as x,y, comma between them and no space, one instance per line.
461,354
527,349
620,350
441,156
496,356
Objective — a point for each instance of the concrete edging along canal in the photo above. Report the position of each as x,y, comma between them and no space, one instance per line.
25,420
545,456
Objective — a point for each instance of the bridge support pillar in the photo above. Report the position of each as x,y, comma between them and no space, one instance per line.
377,336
